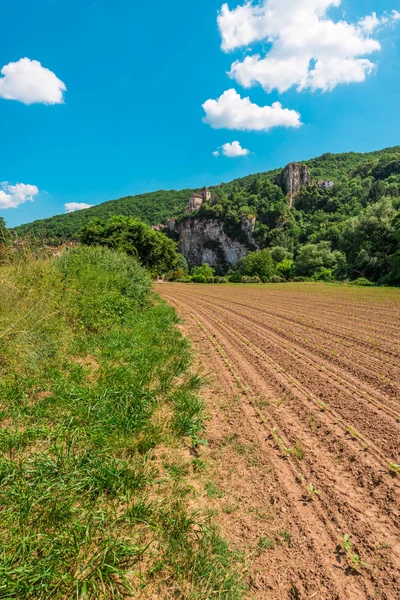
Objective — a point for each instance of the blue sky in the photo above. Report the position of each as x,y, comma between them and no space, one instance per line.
137,75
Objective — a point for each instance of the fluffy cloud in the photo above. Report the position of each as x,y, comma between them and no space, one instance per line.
371,22
28,82
307,49
230,111
234,149
73,206
215,153
12,196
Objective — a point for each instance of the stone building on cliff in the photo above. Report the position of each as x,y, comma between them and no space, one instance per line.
196,200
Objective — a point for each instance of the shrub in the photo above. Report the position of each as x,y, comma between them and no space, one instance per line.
104,286
154,249
204,270
235,277
276,279
254,279
323,274
362,281
198,279
258,263
285,268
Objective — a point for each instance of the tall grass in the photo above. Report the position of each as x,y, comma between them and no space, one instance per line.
95,386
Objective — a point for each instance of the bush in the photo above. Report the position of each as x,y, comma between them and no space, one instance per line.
235,277
285,268
154,249
323,275
198,279
254,279
312,258
104,286
204,271
258,263
276,279
362,281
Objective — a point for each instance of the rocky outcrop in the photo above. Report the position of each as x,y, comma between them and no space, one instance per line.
293,177
205,241
248,225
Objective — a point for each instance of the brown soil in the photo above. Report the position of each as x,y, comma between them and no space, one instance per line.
304,408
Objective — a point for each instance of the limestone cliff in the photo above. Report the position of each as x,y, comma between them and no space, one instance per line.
293,177
206,241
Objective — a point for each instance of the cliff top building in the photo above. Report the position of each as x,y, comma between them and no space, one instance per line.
196,200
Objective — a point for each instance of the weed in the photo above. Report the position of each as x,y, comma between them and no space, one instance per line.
266,543
230,508
213,490
198,465
287,538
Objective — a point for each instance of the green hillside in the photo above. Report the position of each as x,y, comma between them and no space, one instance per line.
157,207
152,208
358,219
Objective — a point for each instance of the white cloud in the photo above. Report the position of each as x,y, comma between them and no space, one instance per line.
306,48
12,196
233,150
230,111
73,206
215,153
28,82
371,22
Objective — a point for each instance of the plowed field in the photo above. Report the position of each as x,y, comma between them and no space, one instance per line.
304,430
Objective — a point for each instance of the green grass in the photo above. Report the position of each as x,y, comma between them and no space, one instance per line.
95,387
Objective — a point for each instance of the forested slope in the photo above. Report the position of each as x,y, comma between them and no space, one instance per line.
359,216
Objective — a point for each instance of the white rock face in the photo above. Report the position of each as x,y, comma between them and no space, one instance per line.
205,241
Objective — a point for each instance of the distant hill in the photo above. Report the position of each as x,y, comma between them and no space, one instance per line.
247,194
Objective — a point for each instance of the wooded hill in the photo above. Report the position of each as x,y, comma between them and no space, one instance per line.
358,216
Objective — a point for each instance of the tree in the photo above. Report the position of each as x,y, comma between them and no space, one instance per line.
285,269
154,249
258,263
203,271
370,242
312,258
279,254
4,236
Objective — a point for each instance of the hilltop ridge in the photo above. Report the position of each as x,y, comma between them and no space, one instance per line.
157,207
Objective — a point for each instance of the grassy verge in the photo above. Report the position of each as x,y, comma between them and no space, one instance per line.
98,413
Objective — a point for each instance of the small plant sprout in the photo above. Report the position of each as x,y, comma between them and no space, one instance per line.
354,434
357,562
394,469
312,491
299,451
346,543
280,442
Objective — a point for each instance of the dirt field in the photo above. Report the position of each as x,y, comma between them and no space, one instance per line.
304,406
